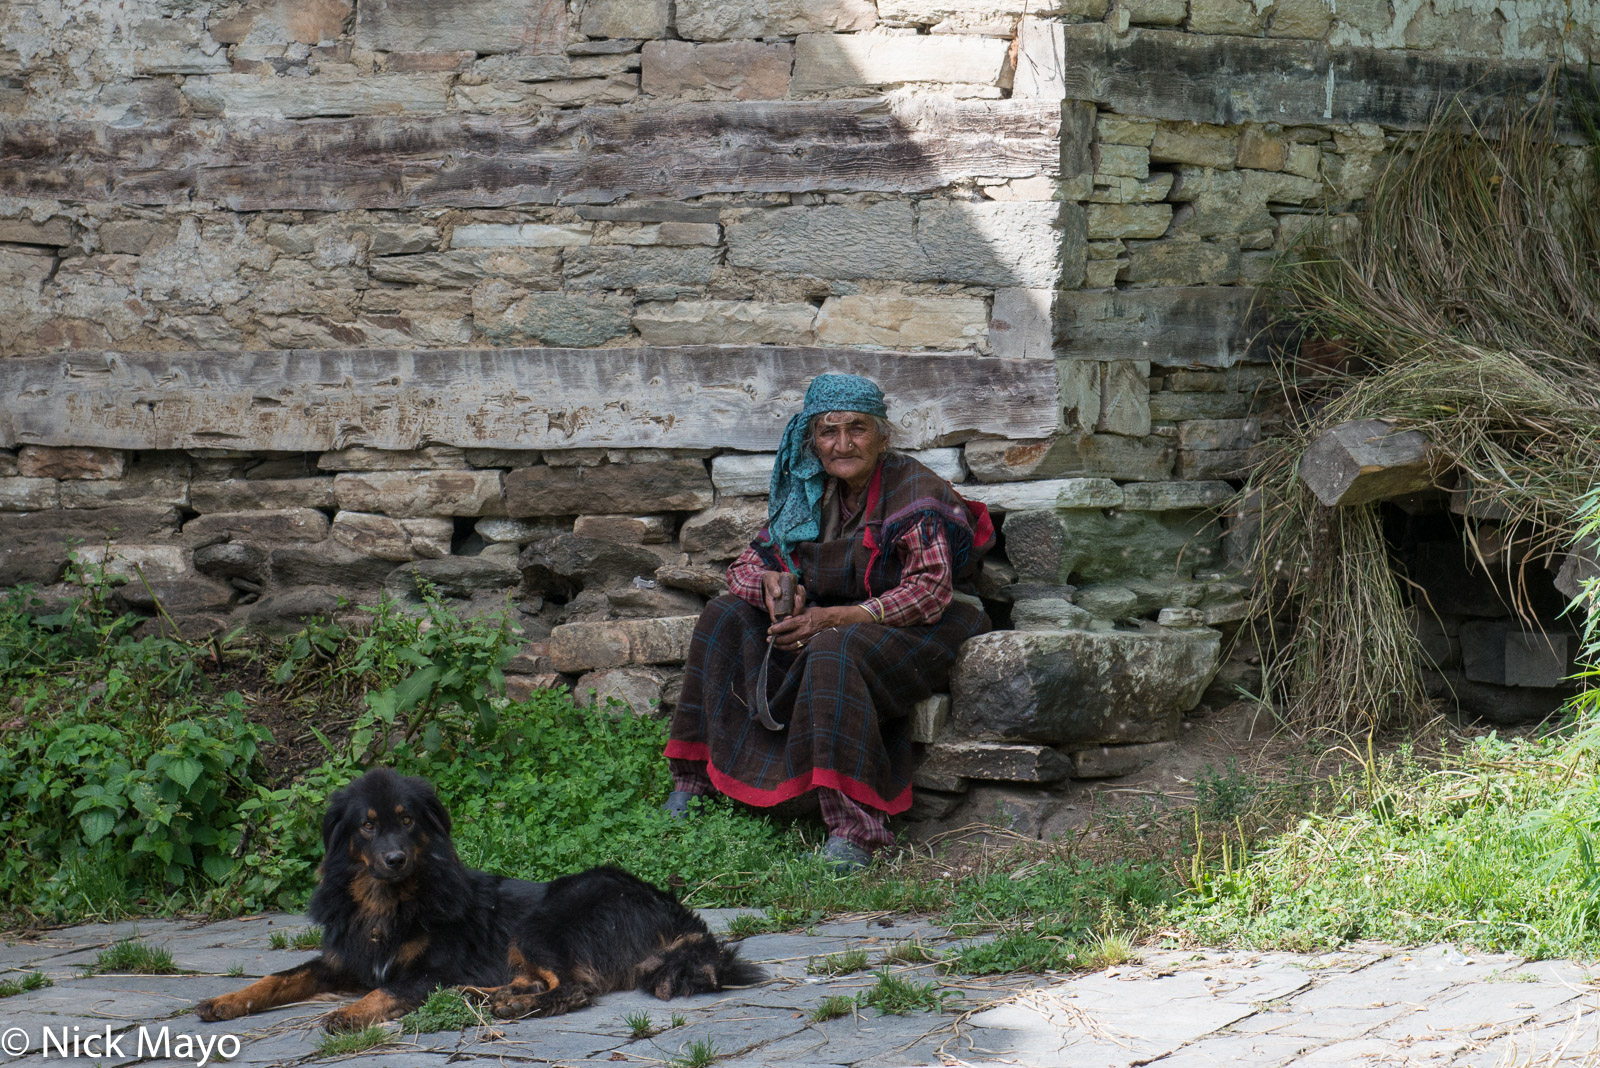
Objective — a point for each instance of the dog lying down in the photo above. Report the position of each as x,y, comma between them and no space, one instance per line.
401,915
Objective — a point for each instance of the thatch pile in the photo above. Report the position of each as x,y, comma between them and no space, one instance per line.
1469,307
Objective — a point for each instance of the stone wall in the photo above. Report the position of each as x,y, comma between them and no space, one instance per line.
302,299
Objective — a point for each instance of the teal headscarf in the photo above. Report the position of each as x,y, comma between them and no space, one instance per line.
794,508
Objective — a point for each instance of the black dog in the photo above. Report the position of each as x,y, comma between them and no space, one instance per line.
401,915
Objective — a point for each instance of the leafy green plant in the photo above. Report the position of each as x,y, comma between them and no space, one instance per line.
1044,946
846,963
639,1025
832,1007
132,957
894,995
342,1045
10,987
1225,794
445,1010
745,924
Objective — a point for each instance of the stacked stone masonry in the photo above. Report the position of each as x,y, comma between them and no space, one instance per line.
311,299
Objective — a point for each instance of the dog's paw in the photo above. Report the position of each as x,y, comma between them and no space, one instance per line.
225,1007
341,1020
509,1006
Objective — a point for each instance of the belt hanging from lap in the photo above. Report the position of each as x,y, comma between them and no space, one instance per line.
783,608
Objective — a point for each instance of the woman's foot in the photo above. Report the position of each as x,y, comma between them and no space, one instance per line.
845,856
677,805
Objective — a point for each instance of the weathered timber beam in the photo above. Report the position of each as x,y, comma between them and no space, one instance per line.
591,156
1203,326
1367,460
1167,74
544,398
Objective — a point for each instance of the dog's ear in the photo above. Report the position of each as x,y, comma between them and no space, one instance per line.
432,809
335,819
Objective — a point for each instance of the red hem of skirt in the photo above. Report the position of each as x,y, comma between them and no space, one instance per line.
827,778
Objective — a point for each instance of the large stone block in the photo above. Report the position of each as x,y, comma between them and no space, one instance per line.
1079,546
824,61
1074,686
1016,244
482,26
560,319
418,494
666,486
328,564
458,577
903,322
742,70
726,322
626,19
599,267
244,494
579,647
281,524
398,540
29,494
640,689
40,461
1051,493
566,563
995,762
1072,455
723,532
238,95
720,20
431,458
625,529
1020,323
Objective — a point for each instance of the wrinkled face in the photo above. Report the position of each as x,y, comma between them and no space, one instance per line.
849,445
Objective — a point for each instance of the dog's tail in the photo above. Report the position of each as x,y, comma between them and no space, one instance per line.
696,964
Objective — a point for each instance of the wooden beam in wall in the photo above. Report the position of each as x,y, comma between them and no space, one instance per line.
1167,74
540,398
590,156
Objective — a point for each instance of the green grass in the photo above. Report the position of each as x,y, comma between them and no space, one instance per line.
445,1010
895,995
132,957
352,1041
678,1019
846,963
1493,846
745,924
304,938
639,1025
10,987
832,1007
912,952
235,970
701,1053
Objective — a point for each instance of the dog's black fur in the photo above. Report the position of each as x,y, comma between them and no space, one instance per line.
401,915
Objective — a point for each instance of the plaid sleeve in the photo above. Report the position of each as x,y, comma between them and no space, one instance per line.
744,578
926,583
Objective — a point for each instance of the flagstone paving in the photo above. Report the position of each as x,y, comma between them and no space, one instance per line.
1368,1005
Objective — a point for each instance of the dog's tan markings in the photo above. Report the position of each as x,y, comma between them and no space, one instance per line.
399,810
373,900
410,951
549,978
518,963
263,994
375,1007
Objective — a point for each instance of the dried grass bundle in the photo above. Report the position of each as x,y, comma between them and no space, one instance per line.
1469,304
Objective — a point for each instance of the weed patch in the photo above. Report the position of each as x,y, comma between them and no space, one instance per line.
701,1053
132,957
11,987
304,938
352,1042
894,995
832,1007
846,963
445,1010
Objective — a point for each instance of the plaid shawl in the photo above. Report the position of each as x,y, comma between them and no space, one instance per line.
847,695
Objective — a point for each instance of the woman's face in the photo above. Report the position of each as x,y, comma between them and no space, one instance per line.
849,446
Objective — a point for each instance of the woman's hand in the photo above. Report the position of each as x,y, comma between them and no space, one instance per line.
769,590
793,633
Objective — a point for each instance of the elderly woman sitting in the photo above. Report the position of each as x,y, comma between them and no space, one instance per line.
878,543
